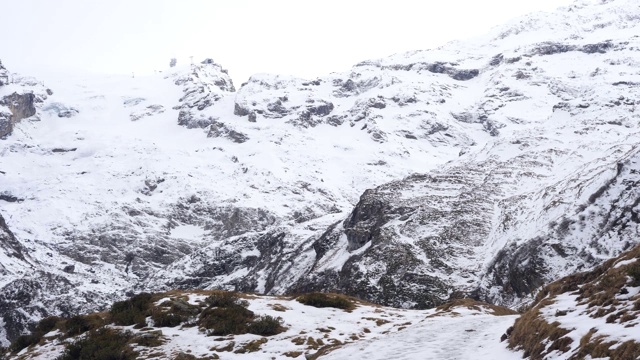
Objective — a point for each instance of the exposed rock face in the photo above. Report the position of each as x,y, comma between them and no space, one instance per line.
204,86
9,244
21,106
219,129
146,112
4,75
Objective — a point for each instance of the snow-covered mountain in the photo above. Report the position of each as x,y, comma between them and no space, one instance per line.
486,168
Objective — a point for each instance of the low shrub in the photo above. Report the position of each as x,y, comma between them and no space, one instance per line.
166,318
266,325
47,324
225,299
634,271
42,328
76,325
132,311
232,319
321,300
23,341
101,344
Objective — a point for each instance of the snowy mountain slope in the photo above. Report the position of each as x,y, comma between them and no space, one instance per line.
504,218
177,180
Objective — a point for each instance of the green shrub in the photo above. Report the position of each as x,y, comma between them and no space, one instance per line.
266,326
225,299
47,324
166,318
76,325
132,311
44,326
101,344
634,271
321,300
231,319
23,341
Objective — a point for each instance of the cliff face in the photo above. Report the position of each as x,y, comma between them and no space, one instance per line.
482,169
19,99
21,106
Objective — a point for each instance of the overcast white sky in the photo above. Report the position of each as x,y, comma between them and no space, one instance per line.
303,38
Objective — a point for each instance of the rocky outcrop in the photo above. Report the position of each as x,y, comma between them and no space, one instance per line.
21,106
203,86
219,129
9,244
150,110
4,75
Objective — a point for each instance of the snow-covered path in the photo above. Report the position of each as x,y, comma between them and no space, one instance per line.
465,336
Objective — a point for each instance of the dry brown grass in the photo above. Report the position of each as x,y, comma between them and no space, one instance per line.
251,346
292,354
475,305
378,321
531,332
279,307
597,289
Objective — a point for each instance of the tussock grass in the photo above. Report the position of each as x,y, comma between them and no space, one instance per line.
597,289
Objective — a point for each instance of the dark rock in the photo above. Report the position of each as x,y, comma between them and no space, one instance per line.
496,60
69,269
277,108
519,270
21,106
335,120
438,68
324,108
464,75
240,111
10,198
68,113
367,216
9,243
219,129
186,118
349,86
377,103
551,48
437,127
466,117
4,75
562,106
63,150
627,83
599,48
26,300
61,110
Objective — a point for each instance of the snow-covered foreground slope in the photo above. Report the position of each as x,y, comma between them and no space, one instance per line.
461,334
483,168
467,330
